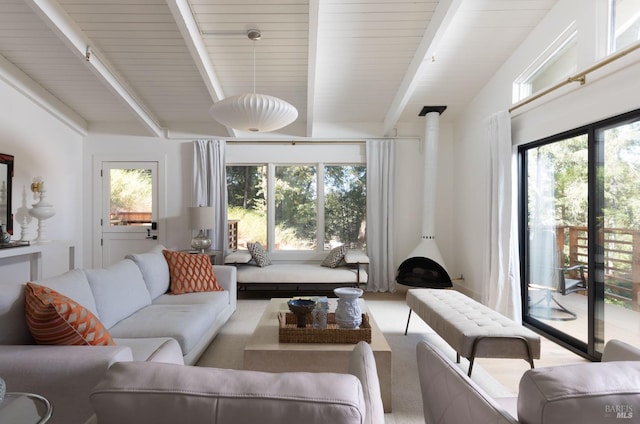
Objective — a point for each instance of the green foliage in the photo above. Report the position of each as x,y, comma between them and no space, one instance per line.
131,190
252,227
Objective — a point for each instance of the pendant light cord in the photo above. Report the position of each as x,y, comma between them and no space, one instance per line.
254,66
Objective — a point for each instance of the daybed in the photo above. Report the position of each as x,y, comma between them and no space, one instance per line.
137,392
589,393
130,300
351,271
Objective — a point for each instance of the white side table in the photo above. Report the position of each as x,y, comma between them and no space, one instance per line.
25,408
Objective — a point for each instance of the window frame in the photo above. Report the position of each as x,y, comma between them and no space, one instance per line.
294,255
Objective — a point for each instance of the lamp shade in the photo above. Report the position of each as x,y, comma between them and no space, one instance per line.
201,217
254,112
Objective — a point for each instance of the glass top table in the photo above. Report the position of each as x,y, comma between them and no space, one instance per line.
25,408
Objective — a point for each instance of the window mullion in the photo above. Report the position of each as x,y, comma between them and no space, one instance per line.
320,208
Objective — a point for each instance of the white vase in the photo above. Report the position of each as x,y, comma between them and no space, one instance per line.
42,211
348,312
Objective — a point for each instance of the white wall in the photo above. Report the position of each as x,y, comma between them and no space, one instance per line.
178,155
608,92
45,147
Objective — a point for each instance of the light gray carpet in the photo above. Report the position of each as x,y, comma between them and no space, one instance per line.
390,315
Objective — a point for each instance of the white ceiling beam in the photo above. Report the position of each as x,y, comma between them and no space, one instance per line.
314,6
17,79
444,13
183,15
68,31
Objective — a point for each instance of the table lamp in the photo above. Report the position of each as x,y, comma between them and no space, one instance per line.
201,218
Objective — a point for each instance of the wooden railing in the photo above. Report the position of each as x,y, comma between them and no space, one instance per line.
621,259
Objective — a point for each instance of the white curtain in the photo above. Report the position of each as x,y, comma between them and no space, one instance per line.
501,289
210,187
380,214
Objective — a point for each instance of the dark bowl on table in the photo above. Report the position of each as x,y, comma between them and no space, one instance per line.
301,307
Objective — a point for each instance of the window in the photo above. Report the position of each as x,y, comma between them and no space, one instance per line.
624,24
558,62
292,207
580,217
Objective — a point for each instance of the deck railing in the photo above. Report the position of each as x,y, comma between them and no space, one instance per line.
621,260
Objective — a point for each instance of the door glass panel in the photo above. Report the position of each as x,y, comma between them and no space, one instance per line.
295,208
131,197
557,200
621,231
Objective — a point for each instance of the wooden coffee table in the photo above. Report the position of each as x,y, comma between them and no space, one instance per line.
263,352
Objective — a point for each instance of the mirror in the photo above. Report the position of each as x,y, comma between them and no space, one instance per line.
6,177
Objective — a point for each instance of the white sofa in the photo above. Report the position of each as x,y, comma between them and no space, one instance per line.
136,392
130,299
351,272
591,393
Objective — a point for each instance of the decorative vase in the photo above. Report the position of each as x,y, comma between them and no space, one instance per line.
348,313
42,211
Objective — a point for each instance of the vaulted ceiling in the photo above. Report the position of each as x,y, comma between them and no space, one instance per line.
154,67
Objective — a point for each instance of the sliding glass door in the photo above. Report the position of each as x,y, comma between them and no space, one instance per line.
580,234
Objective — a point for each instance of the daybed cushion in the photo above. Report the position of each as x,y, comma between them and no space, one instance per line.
155,270
238,257
119,291
590,393
298,273
185,323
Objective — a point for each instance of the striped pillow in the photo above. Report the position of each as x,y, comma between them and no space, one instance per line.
189,273
55,319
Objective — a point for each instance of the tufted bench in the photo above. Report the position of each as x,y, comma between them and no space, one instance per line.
472,329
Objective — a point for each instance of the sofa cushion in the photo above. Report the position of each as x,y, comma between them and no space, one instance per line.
154,349
190,273
167,393
185,323
362,364
259,255
335,256
74,285
119,291
154,268
55,319
581,393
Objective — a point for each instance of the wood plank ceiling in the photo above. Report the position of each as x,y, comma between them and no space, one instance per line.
156,66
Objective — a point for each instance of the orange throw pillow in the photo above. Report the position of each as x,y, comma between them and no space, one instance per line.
54,319
189,273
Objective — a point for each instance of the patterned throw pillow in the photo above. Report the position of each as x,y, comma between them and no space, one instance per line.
258,254
55,319
189,273
335,256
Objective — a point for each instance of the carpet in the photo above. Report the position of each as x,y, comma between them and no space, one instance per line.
226,351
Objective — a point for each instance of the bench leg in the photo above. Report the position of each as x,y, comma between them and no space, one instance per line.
477,341
407,327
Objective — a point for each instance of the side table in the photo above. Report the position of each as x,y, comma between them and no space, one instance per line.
210,253
25,408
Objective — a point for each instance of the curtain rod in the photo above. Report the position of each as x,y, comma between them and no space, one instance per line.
580,77
313,141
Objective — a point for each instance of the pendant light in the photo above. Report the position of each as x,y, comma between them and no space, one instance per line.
253,112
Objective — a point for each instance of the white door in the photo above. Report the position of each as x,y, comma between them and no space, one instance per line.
129,212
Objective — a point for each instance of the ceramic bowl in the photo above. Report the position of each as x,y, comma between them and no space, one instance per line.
301,307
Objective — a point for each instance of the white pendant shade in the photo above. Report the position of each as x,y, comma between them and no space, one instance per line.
254,112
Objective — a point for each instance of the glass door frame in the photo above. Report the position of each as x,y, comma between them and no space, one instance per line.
593,347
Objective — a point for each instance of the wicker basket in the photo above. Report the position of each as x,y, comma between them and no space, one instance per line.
290,333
